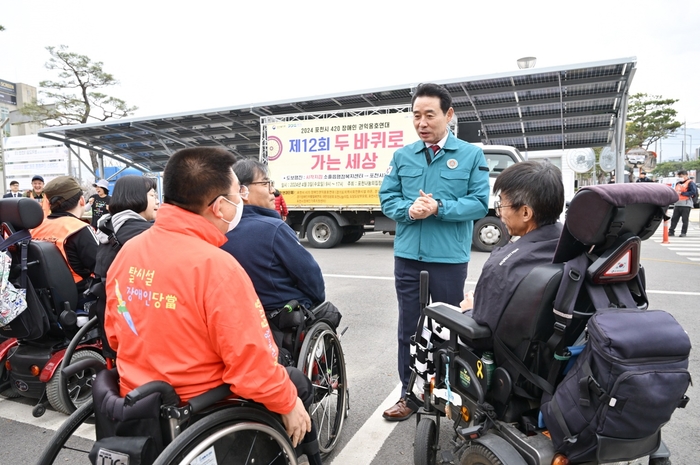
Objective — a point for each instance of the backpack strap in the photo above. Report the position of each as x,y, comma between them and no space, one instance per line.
522,369
614,295
564,303
14,238
615,226
568,437
23,236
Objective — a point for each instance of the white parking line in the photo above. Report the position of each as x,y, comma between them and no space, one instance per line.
383,278
50,420
672,292
365,444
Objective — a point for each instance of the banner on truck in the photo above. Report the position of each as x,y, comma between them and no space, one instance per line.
335,161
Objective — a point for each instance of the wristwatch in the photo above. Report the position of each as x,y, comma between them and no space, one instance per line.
439,206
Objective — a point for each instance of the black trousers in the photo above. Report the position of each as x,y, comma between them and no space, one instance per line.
309,444
680,213
446,285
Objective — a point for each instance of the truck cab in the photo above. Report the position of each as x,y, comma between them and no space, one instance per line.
489,232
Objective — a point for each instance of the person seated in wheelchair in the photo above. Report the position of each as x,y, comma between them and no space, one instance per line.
183,311
73,237
281,269
531,199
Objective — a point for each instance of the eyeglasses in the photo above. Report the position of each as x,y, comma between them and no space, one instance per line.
270,184
497,207
243,192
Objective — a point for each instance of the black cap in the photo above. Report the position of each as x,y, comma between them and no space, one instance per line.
37,178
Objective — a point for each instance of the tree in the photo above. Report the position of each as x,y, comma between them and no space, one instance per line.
663,169
649,118
74,98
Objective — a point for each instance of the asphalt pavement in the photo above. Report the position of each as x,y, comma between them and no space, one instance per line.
359,280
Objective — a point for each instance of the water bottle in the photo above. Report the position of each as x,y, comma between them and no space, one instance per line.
489,367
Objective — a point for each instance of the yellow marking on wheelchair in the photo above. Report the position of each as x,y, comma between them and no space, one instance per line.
479,369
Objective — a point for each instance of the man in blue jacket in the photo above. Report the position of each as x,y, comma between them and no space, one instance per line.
268,249
434,189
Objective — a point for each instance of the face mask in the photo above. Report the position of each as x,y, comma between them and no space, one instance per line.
237,218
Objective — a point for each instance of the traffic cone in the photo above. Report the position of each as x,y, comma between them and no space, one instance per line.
665,241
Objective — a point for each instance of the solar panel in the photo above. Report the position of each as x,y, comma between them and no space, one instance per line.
565,107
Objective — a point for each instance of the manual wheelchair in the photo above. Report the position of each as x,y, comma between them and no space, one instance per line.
35,341
235,428
150,426
498,422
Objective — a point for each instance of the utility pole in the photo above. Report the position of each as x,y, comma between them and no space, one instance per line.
684,135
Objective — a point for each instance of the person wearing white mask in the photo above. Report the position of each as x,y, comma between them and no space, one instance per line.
268,248
172,290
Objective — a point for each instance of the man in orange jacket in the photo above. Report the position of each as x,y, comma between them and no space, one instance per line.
181,310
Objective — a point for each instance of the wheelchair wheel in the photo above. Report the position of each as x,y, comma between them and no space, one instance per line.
321,360
424,447
232,436
476,454
63,394
65,446
79,385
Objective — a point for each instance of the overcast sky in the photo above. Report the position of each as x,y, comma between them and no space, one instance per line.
177,56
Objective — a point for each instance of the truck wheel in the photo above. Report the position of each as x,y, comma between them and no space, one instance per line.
352,234
489,233
323,232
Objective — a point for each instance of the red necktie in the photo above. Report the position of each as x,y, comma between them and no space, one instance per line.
435,148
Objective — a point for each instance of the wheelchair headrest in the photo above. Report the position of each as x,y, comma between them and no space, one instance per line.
21,213
598,215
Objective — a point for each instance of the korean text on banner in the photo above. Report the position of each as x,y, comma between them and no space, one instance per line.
335,161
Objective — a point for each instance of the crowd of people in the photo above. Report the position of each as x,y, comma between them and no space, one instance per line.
221,231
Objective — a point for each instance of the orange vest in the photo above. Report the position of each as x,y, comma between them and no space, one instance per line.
43,201
45,207
681,188
57,230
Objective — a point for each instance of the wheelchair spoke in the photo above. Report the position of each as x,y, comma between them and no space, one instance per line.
252,447
323,363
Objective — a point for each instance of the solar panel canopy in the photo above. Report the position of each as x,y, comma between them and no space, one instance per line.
575,106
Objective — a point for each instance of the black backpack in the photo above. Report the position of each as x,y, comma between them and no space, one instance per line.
624,386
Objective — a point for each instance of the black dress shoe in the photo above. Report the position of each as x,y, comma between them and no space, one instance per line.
400,411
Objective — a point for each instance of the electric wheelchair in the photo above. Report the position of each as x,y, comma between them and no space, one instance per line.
497,421
35,342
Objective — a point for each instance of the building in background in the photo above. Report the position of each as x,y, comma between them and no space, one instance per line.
14,96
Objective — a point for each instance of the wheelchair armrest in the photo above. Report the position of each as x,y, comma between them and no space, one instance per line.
202,401
453,318
167,392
